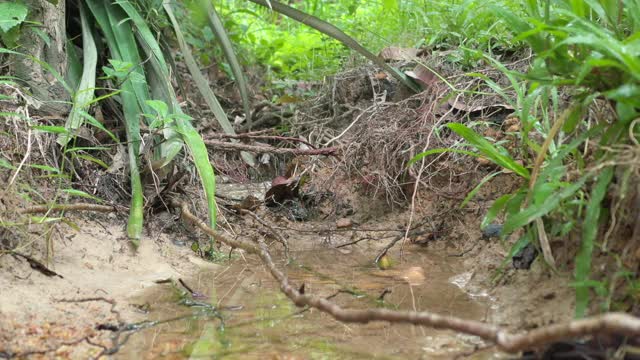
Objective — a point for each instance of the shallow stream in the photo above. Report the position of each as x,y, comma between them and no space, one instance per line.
261,323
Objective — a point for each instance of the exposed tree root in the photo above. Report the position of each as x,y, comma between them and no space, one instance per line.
226,146
611,323
38,209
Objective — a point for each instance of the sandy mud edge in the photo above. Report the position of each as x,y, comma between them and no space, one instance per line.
95,262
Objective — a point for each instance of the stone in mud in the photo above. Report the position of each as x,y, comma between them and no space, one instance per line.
343,223
525,257
492,231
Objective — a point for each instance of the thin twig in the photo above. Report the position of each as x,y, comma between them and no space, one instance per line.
24,159
263,137
225,146
68,207
273,232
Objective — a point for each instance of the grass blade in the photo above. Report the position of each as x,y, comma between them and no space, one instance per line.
85,93
475,190
536,211
488,150
589,232
218,29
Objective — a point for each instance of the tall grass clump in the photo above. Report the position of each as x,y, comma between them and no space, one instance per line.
580,175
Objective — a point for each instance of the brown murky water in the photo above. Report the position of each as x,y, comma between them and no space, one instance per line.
268,326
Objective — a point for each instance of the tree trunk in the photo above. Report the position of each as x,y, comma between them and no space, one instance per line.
44,38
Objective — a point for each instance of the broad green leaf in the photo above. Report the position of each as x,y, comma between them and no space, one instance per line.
12,14
534,211
51,129
160,107
117,34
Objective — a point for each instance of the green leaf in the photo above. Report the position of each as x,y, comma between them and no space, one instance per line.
123,48
589,233
92,159
85,92
216,25
202,84
80,193
5,164
12,14
495,209
488,150
51,129
535,211
160,107
45,168
95,123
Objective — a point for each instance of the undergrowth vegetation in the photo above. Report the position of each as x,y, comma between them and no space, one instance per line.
582,94
291,50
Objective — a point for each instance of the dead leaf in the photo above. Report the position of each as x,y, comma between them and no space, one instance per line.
394,53
281,189
423,75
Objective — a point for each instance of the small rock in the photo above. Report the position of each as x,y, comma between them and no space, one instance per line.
513,128
491,231
343,223
525,257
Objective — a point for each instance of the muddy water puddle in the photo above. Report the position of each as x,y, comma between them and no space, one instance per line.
261,323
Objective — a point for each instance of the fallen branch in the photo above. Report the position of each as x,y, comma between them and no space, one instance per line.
38,209
259,137
611,323
225,146
279,238
36,265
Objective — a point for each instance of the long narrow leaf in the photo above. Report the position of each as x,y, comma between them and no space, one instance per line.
536,211
589,232
159,78
132,110
216,25
85,92
159,81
